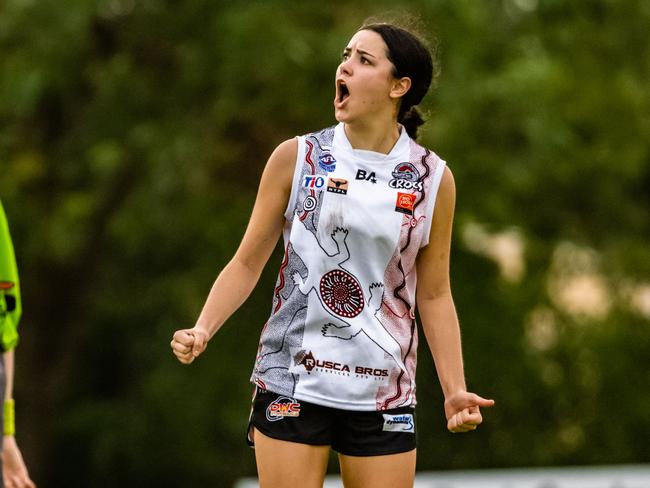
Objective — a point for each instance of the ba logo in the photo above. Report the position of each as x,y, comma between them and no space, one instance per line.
327,162
313,182
282,407
406,177
362,174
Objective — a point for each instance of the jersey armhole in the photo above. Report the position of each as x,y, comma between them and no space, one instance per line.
300,156
431,203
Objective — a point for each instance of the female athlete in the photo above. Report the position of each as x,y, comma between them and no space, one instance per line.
366,216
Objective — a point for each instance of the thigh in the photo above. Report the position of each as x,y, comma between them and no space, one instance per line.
388,471
283,463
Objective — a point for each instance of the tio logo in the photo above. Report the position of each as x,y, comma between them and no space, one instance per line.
362,174
313,182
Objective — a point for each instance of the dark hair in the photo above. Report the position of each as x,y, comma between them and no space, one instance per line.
412,58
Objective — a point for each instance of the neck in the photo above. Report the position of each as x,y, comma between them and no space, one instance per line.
379,136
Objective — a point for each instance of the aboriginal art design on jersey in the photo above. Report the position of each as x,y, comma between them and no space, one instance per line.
285,328
341,293
397,313
345,322
348,274
310,198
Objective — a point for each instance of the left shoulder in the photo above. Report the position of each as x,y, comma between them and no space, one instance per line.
447,189
443,207
445,198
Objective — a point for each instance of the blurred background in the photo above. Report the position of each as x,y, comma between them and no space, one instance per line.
133,134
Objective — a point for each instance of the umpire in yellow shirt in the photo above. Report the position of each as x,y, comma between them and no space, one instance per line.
14,471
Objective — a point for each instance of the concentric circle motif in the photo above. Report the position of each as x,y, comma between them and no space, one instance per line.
309,204
342,293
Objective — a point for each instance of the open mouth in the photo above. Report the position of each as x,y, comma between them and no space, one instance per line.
342,91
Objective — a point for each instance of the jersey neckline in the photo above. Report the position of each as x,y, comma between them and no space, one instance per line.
399,152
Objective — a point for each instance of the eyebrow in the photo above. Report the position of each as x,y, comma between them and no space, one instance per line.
360,51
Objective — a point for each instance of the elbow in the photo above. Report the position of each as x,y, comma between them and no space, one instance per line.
425,297
249,269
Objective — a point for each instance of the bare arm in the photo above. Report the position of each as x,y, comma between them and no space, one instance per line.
438,313
8,358
238,278
14,470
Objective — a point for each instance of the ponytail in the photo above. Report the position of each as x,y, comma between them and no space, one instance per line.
411,120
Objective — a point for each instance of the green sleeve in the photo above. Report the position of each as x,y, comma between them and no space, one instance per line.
10,305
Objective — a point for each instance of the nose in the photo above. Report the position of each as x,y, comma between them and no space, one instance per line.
345,66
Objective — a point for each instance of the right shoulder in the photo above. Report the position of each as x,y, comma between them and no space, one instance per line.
283,159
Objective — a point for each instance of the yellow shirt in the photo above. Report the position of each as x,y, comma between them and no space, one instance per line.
10,306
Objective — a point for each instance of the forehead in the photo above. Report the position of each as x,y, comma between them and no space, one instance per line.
368,41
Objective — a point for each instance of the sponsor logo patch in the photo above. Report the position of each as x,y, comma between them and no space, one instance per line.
310,363
282,407
406,177
362,174
405,203
337,185
313,182
327,162
307,360
399,423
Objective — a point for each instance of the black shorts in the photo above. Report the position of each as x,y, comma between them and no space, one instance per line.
348,432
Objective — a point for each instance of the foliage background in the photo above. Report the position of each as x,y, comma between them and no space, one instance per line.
133,136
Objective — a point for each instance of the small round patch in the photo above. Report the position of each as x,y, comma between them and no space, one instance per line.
309,204
342,293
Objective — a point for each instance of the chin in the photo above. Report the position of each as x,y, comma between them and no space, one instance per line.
342,117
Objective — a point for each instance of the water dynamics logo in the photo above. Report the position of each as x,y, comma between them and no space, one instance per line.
399,423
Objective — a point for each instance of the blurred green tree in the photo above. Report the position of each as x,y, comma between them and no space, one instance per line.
133,137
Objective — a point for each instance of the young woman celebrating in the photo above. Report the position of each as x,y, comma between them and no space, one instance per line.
355,204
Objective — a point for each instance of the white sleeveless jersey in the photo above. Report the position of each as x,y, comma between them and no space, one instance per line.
342,329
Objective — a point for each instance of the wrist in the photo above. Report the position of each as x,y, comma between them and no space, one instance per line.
9,425
450,391
208,330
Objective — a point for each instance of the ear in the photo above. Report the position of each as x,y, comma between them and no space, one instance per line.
400,87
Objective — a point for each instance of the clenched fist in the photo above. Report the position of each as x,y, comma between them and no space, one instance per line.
463,412
187,344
